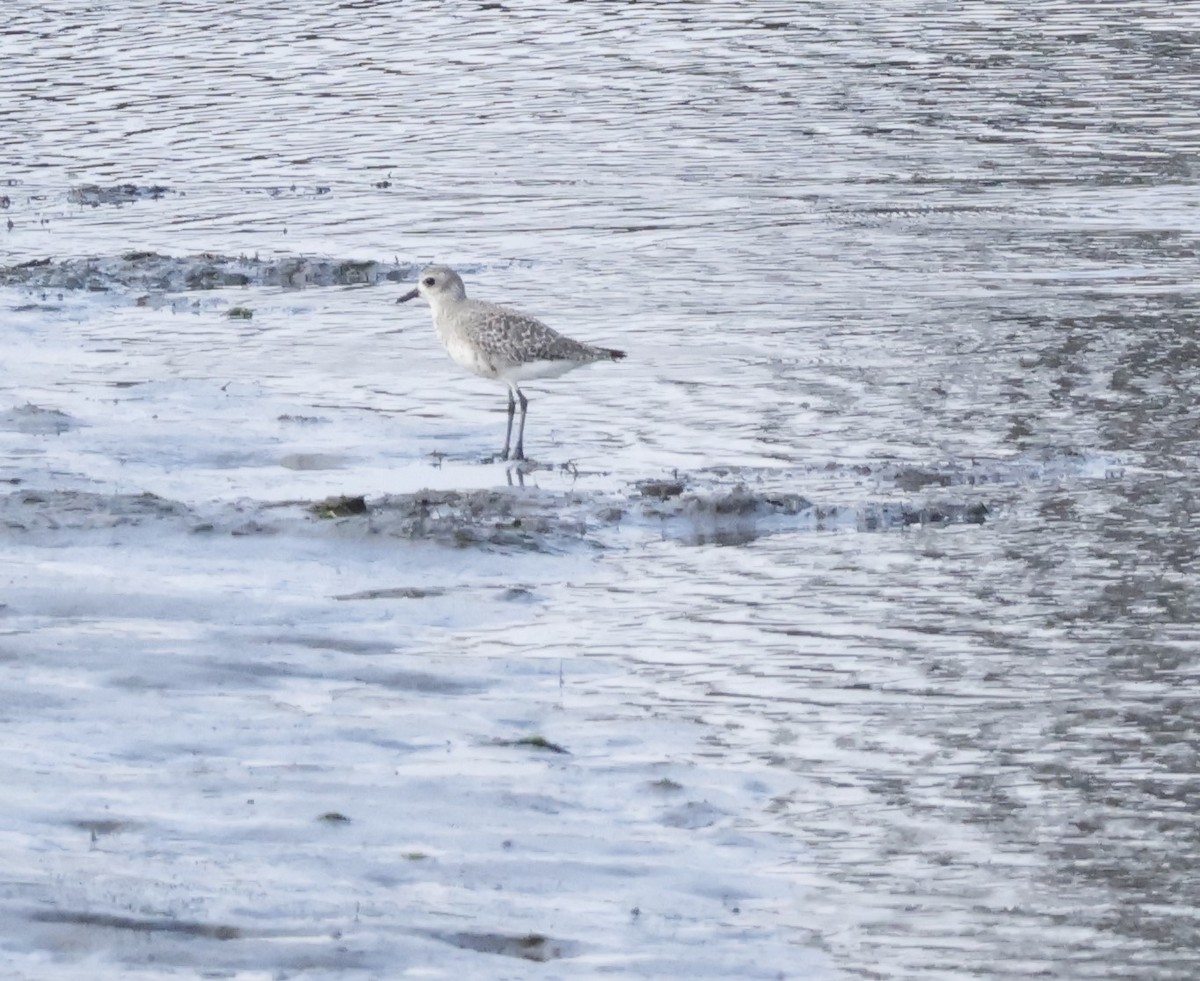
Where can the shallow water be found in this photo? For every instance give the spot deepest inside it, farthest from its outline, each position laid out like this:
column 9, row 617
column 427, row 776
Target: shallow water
column 861, row 596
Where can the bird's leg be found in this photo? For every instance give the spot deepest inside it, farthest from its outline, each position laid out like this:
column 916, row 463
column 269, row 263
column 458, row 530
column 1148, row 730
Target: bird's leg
column 512, row 408
column 520, row 454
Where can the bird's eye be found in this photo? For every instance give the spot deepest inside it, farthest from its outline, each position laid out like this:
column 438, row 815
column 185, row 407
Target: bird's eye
column 427, row 281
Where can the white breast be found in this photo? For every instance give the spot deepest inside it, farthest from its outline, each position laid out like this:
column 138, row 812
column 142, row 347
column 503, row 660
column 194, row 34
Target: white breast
column 467, row 355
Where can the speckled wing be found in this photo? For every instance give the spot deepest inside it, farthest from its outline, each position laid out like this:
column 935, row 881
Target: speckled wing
column 508, row 336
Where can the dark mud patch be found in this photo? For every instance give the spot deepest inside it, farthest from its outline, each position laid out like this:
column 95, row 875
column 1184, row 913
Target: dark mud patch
column 93, row 195
column 150, row 271
column 33, row 420
column 101, row 827
column 535, row 519
column 35, row 510
column 187, row 928
column 980, row 472
column 662, row 490
column 326, row 643
column 37, row 308
column 693, row 816
column 395, row 592
column 318, row 461
column 738, row 501
column 529, row 947
column 421, row 683
column 341, row 506
column 533, row 742
column 915, row 212
column 510, row 518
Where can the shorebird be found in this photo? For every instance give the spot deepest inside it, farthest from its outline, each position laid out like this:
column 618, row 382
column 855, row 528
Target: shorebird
column 500, row 343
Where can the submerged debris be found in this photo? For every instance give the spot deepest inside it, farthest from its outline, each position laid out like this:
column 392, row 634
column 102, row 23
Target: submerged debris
column 534, row 742
column 661, row 489
column 94, row 195
column 341, row 506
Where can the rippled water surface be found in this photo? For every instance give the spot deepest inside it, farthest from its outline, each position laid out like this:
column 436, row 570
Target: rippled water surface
column 847, row 629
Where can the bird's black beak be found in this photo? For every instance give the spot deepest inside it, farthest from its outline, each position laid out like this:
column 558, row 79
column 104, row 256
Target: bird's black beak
column 410, row 295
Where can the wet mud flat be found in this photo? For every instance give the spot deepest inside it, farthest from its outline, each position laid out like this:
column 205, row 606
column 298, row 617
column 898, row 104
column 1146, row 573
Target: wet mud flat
column 346, row 785
column 541, row 519
column 722, row 504
column 150, row 271
column 515, row 517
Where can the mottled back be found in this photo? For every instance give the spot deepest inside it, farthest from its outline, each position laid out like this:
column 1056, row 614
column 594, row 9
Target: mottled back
column 500, row 336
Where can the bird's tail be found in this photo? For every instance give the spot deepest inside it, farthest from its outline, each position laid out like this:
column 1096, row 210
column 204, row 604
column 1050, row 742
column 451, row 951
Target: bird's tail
column 612, row 354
